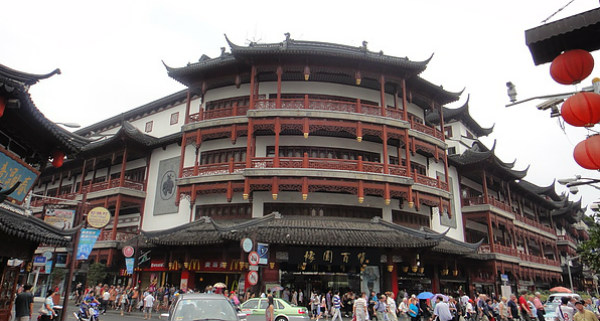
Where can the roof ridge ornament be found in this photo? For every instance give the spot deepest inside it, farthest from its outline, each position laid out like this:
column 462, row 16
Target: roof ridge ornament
column 375, row 219
column 364, row 46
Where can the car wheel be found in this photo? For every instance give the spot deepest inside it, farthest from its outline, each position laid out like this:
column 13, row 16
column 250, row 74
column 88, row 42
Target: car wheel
column 281, row 319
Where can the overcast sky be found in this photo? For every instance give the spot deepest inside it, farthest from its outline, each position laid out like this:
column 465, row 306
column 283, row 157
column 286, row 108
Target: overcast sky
column 110, row 56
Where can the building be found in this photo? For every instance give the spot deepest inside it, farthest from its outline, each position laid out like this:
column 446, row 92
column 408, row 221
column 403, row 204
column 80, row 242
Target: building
column 27, row 142
column 340, row 166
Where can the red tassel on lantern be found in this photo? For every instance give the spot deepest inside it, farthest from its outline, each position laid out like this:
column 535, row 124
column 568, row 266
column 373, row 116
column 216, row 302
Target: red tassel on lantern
column 2, row 106
column 582, row 109
column 572, row 66
column 58, row 158
column 587, row 153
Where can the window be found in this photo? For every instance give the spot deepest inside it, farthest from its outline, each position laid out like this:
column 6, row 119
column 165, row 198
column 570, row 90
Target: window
column 448, row 131
column 174, row 118
column 451, row 150
column 323, row 152
column 223, row 156
column 149, row 126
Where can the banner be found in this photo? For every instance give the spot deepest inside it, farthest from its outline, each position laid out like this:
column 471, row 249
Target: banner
column 86, row 242
column 129, row 264
column 59, row 217
column 263, row 253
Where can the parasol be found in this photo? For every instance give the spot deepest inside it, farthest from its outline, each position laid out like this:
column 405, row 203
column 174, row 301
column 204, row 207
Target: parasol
column 424, row 295
column 560, row 289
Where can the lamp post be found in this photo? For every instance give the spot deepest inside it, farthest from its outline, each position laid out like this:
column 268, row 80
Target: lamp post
column 70, row 125
column 572, row 183
column 569, row 260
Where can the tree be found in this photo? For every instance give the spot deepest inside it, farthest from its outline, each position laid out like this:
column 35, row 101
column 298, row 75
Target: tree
column 589, row 251
column 96, row 273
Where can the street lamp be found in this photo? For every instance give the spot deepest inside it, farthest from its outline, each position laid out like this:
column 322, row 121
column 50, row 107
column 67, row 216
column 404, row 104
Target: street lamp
column 569, row 260
column 572, row 183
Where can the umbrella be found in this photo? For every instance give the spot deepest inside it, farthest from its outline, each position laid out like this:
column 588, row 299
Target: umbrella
column 444, row 298
column 424, row 295
column 219, row 285
column 560, row 289
column 276, row 288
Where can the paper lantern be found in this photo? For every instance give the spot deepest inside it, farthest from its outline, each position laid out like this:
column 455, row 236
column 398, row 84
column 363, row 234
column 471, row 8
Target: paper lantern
column 572, row 66
column 58, row 158
column 587, row 153
column 2, row 106
column 582, row 109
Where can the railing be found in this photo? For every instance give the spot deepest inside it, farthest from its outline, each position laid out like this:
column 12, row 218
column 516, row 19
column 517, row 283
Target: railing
column 567, row 238
column 316, row 104
column 313, row 163
column 506, row 250
column 480, row 200
column 105, row 235
column 534, row 223
column 100, row 186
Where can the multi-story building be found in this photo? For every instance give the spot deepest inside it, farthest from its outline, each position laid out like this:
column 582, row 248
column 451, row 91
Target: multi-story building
column 334, row 156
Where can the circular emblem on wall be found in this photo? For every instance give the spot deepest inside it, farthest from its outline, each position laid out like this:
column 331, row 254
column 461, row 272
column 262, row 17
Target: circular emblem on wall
column 98, row 217
column 167, row 185
column 128, row 251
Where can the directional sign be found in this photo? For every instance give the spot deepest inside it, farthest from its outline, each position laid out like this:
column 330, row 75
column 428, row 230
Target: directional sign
column 253, row 258
column 252, row 277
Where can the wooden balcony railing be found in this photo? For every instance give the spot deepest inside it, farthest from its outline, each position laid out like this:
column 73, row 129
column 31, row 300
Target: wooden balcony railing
column 313, row 163
column 100, row 186
column 506, row 250
column 316, row 104
column 534, row 223
column 567, row 238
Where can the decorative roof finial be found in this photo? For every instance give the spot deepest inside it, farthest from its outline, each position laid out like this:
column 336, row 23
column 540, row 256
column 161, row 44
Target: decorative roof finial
column 364, row 45
column 222, row 51
column 287, row 36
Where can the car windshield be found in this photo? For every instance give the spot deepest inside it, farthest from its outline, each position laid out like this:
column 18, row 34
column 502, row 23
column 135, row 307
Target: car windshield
column 202, row 309
column 550, row 307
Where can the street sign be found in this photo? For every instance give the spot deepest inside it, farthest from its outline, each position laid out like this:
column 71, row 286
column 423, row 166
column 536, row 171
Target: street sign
column 253, row 268
column 98, row 217
column 247, row 245
column 253, row 258
column 128, row 251
column 252, row 277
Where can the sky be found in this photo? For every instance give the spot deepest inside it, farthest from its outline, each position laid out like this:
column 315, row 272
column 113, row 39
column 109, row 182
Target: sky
column 111, row 53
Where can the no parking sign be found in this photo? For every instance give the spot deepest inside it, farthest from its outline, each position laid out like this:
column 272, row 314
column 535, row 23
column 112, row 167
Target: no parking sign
column 252, row 277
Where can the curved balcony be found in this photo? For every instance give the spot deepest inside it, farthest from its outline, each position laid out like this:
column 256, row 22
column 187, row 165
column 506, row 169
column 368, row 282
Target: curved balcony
column 316, row 104
column 506, row 250
column 313, row 163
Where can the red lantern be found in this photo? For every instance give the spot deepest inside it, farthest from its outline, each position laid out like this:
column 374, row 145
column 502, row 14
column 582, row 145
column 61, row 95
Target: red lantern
column 572, row 66
column 58, row 158
column 587, row 153
column 582, row 109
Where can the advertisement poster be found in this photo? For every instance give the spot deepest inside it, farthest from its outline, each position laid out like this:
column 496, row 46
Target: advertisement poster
column 263, row 253
column 59, row 217
column 86, row 242
column 129, row 264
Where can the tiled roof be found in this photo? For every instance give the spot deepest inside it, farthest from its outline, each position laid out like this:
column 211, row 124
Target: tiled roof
column 579, row 31
column 128, row 133
column 30, row 228
column 478, row 153
column 308, row 231
column 26, row 124
column 548, row 191
column 459, row 114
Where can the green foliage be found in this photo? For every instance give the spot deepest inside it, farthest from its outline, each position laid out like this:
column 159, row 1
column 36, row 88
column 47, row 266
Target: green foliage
column 58, row 274
column 96, row 273
column 589, row 250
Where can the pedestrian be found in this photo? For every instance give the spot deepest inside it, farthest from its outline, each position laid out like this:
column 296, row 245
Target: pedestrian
column 583, row 314
column 524, row 306
column 47, row 311
column 360, row 308
column 441, row 310
column 270, row 311
column 539, row 306
column 124, row 302
column 105, row 300
column 337, row 306
column 24, row 304
column 503, row 311
column 391, row 303
column 380, row 309
column 413, row 309
column 148, row 304
column 564, row 312
column 403, row 309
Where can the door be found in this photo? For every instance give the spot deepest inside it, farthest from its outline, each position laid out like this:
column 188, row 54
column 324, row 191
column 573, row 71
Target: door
column 8, row 287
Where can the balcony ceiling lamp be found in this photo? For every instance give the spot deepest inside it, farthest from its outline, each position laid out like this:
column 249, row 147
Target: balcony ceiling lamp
column 306, row 72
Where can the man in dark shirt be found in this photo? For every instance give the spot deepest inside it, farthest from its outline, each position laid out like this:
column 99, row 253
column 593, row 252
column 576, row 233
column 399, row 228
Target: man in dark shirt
column 24, row 304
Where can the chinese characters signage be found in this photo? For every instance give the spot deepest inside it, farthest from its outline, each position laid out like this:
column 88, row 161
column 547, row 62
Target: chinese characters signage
column 333, row 256
column 12, row 171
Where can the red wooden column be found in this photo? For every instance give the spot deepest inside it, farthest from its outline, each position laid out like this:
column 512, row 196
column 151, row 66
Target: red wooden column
column 382, row 94
column 113, row 234
column 252, row 85
column 249, row 141
column 490, row 232
column 187, row 107
column 279, row 73
column 82, row 176
column 484, row 186
column 386, row 168
column 277, row 131
column 404, row 103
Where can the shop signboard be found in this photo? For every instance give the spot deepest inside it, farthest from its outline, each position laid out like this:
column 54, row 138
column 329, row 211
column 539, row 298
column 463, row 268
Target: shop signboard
column 87, row 239
column 59, row 217
column 12, row 171
column 98, row 217
column 129, row 264
column 61, row 260
column 39, row 260
column 333, row 256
